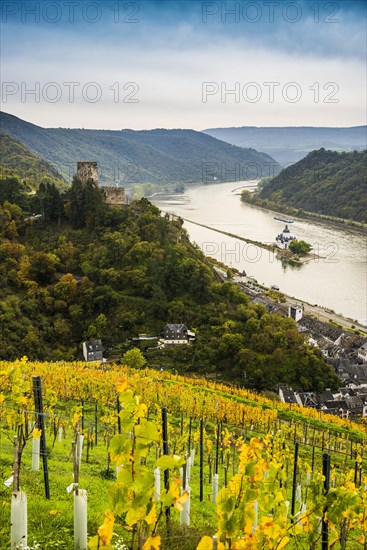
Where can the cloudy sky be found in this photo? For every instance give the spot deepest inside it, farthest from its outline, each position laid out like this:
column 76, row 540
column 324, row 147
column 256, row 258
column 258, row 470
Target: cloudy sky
column 184, row 64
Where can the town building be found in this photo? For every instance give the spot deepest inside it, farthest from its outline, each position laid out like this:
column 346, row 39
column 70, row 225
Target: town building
column 93, row 350
column 296, row 312
column 348, row 402
column 362, row 352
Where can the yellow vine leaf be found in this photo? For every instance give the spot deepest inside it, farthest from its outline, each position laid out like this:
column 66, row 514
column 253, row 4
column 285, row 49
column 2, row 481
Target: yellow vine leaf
column 37, row 433
column 75, row 420
column 121, row 384
column 151, row 518
column 256, row 443
column 250, row 543
column 105, row 532
column 95, row 544
column 283, row 543
column 206, row 543
column 153, row 543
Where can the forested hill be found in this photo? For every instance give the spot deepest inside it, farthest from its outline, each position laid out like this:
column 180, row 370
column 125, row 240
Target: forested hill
column 325, row 182
column 83, row 270
column 29, row 167
column 154, row 156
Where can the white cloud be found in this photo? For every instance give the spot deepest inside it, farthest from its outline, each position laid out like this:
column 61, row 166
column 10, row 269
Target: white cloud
column 170, row 64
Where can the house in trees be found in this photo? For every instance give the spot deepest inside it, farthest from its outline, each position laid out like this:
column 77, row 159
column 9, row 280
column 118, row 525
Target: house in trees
column 176, row 334
column 93, row 350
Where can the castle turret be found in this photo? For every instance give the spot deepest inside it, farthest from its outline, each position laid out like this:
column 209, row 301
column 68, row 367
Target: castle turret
column 87, row 170
column 284, row 238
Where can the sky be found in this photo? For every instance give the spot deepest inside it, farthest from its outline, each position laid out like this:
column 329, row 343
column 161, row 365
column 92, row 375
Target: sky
column 145, row 64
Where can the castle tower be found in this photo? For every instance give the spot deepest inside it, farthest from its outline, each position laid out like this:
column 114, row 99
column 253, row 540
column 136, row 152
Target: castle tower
column 88, row 171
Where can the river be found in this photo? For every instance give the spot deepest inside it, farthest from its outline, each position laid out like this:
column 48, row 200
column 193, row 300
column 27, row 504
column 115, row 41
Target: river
column 337, row 280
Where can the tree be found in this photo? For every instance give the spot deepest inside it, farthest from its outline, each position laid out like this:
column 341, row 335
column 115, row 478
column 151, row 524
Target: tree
column 11, row 189
column 75, row 207
column 43, row 267
column 66, row 288
column 299, row 247
column 86, row 204
column 246, row 196
column 134, row 358
column 48, row 202
column 94, row 204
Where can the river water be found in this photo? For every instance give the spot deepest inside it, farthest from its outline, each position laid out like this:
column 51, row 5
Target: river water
column 336, row 280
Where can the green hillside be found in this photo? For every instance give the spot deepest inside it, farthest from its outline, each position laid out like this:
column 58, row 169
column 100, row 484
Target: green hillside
column 83, row 270
column 29, row 167
column 325, row 182
column 149, row 156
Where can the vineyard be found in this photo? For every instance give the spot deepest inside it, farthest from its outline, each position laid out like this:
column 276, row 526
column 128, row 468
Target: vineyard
column 106, row 457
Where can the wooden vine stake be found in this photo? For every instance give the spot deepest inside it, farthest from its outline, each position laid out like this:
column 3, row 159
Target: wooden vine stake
column 201, row 460
column 215, row 478
column 325, row 524
column 40, row 424
column 18, row 514
column 166, row 472
column 294, row 485
column 80, row 500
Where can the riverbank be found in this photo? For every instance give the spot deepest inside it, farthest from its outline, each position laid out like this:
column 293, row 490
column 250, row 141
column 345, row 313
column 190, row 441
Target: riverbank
column 302, row 215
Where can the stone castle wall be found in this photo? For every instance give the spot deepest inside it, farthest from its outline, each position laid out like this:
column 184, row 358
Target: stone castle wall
column 115, row 196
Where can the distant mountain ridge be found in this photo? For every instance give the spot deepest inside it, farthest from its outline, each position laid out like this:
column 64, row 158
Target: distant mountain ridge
column 127, row 156
column 289, row 144
column 325, row 182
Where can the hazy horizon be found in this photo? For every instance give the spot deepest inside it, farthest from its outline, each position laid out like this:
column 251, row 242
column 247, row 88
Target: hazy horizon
column 179, row 128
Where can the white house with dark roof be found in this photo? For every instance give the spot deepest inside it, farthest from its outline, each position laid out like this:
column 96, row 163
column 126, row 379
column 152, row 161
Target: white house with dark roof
column 176, row 334
column 296, row 312
column 93, row 350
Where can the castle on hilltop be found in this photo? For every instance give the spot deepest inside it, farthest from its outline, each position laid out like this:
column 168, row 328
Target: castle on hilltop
column 88, row 170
